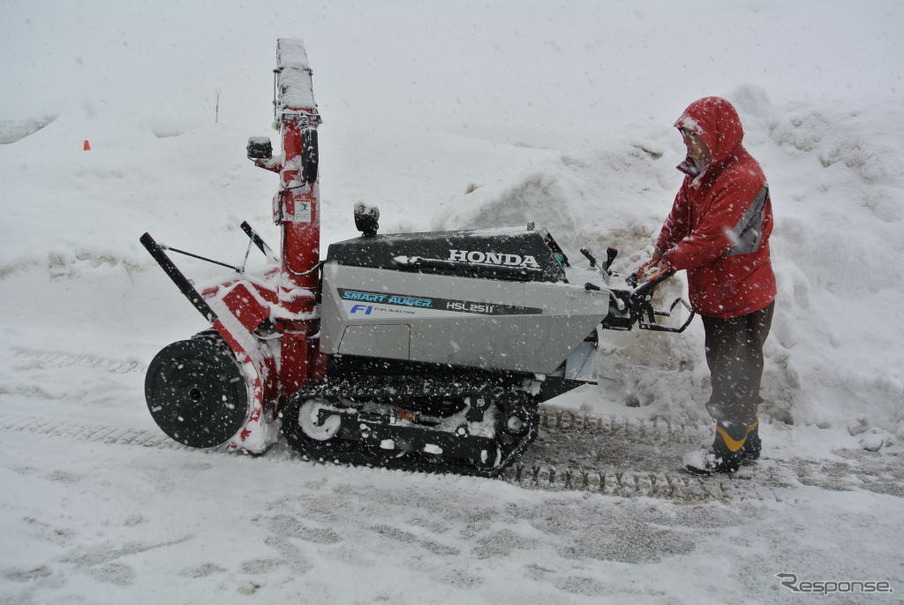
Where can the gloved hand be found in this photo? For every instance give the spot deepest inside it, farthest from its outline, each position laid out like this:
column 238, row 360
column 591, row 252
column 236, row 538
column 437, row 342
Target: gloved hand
column 652, row 270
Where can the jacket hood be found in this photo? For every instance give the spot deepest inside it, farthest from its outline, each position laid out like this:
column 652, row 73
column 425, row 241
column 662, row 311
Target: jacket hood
column 716, row 121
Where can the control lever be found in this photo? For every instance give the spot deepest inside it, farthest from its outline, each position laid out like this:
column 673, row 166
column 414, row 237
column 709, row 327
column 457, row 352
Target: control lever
column 611, row 253
column 604, row 271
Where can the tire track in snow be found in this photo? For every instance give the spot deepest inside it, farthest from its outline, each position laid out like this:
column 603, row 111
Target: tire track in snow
column 572, row 452
column 656, row 483
column 58, row 359
column 577, row 452
column 617, row 457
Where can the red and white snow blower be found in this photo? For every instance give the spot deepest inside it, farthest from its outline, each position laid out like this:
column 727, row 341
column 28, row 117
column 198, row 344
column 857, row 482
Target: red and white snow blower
column 415, row 350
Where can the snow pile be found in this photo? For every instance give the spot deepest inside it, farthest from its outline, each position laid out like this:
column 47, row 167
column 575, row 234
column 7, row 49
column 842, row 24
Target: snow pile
column 16, row 130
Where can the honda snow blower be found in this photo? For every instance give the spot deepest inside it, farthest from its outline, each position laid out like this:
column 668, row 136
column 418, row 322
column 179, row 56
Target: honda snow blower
column 423, row 351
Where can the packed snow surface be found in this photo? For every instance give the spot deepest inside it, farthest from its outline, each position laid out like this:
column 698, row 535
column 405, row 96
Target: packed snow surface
column 447, row 116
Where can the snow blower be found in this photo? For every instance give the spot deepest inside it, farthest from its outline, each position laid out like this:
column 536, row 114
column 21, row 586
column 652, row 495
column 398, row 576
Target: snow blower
column 424, row 351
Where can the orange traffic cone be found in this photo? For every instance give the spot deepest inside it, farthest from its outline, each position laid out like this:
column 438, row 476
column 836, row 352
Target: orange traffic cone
column 86, row 146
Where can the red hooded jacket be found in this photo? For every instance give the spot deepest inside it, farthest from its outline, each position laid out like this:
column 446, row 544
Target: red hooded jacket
column 719, row 225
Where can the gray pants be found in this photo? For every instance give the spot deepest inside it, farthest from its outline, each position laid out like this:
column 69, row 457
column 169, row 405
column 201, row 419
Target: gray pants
column 734, row 354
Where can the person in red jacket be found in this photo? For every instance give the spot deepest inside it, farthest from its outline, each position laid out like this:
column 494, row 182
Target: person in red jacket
column 718, row 231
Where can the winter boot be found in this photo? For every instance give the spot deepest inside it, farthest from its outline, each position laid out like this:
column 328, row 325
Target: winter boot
column 752, row 445
column 727, row 451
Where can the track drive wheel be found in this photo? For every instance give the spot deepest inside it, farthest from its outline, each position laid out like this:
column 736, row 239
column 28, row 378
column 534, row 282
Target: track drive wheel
column 196, row 392
column 312, row 427
column 517, row 422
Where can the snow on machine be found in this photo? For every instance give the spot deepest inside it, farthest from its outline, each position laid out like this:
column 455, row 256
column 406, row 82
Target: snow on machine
column 414, row 350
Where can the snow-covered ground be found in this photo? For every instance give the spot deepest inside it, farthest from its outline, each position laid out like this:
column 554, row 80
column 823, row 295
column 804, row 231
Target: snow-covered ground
column 446, row 115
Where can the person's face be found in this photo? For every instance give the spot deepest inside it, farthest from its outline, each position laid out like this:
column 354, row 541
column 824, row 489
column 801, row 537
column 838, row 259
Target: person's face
column 696, row 148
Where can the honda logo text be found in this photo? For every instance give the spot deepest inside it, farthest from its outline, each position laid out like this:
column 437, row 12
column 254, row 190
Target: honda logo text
column 493, row 258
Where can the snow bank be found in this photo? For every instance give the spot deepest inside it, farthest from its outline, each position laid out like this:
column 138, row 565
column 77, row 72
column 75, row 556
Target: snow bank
column 16, row 130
